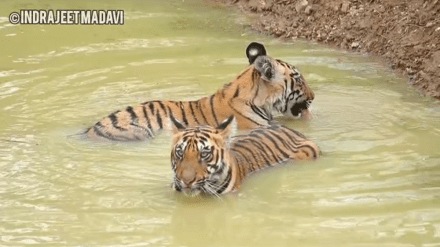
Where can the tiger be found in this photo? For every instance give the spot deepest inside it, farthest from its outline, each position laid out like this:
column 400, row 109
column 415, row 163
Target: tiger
column 266, row 84
column 206, row 160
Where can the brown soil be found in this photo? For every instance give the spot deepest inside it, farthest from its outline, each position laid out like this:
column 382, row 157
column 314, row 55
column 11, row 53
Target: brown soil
column 406, row 33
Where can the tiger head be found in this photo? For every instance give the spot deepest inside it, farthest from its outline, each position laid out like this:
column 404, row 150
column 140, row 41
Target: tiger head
column 199, row 158
column 297, row 96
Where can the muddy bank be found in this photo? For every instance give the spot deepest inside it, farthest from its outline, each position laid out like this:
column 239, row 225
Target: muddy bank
column 405, row 33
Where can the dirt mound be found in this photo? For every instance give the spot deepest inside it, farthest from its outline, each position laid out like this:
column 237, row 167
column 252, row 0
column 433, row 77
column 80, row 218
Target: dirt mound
column 406, row 33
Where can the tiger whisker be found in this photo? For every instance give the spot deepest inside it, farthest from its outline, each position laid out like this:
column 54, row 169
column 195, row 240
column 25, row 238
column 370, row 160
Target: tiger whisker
column 210, row 189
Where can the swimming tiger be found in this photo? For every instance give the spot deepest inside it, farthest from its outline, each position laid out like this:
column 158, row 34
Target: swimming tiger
column 205, row 160
column 266, row 84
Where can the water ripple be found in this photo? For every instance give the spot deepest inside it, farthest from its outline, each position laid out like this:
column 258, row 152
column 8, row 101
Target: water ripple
column 121, row 45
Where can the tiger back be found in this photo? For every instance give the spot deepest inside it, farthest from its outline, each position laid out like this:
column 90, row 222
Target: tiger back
column 266, row 84
column 205, row 160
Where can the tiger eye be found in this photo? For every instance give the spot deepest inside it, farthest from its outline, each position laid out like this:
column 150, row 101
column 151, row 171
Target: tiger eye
column 205, row 154
column 179, row 152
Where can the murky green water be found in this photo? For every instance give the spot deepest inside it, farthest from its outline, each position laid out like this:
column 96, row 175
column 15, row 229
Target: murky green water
column 377, row 184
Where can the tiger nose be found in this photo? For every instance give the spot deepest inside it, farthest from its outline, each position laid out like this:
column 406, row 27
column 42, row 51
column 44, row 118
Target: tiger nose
column 188, row 176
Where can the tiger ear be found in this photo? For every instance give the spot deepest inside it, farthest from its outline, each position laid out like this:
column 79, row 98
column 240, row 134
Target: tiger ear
column 226, row 127
column 255, row 50
column 179, row 126
column 265, row 67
